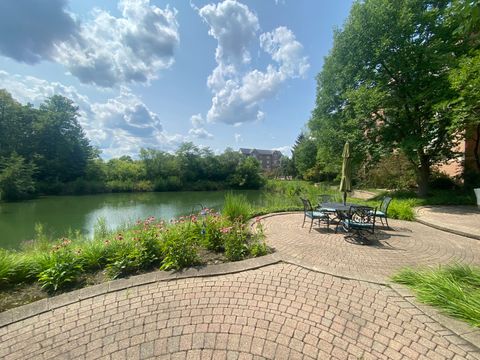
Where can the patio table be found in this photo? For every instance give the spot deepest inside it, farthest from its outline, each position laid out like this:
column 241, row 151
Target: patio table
column 333, row 207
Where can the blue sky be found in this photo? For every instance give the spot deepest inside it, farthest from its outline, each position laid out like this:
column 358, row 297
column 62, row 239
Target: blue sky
column 157, row 73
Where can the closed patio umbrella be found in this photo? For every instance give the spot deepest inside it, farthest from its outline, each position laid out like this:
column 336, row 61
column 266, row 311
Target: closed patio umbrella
column 346, row 181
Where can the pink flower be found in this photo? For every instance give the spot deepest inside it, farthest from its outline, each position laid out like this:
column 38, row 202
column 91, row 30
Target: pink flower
column 226, row 230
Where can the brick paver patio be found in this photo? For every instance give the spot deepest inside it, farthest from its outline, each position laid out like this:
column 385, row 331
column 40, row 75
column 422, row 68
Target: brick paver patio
column 406, row 244
column 284, row 310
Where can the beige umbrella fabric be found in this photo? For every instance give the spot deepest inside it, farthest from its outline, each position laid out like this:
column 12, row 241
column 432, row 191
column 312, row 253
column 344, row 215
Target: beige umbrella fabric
column 346, row 181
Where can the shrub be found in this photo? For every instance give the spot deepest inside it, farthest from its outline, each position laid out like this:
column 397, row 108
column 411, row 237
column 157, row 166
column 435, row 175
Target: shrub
column 402, row 209
column 63, row 270
column 442, row 181
column 235, row 241
column 209, row 225
column 93, row 255
column 390, row 172
column 123, row 258
column 236, row 207
column 179, row 247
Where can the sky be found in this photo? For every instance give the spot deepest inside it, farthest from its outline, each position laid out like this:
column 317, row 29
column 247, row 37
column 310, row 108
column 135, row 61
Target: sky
column 154, row 74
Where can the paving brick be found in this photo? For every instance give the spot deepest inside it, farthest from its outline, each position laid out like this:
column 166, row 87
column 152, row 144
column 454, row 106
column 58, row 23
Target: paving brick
column 280, row 311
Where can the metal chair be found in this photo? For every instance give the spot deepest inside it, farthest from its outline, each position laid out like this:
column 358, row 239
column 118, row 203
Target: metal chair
column 358, row 221
column 382, row 212
column 313, row 214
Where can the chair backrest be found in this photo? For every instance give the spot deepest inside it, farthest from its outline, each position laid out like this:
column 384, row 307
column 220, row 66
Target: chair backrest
column 362, row 215
column 307, row 206
column 324, row 198
column 385, row 203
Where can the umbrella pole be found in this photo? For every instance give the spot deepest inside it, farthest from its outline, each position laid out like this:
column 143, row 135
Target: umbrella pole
column 344, row 198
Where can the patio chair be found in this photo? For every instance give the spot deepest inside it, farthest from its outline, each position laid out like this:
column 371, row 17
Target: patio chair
column 358, row 221
column 313, row 214
column 382, row 212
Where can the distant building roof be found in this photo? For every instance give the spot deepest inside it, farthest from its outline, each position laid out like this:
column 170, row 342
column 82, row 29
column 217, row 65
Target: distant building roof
column 246, row 151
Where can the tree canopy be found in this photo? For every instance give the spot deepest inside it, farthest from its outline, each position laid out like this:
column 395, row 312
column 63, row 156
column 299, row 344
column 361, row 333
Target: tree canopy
column 384, row 85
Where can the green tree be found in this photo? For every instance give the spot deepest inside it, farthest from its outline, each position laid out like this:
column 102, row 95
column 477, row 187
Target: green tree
column 465, row 80
column 247, row 174
column 287, row 167
column 61, row 147
column 16, row 178
column 16, row 132
column 382, row 82
column 305, row 154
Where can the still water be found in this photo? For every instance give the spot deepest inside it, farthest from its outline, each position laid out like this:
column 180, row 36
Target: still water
column 58, row 214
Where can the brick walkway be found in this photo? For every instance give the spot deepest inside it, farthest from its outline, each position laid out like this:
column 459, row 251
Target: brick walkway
column 407, row 244
column 277, row 311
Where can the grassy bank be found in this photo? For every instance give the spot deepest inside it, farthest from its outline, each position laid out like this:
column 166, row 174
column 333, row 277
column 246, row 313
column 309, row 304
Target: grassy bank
column 46, row 266
column 454, row 289
column 285, row 196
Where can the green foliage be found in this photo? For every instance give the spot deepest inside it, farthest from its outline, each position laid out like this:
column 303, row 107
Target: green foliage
column 236, row 207
column 63, row 269
column 402, row 209
column 392, row 171
column 46, row 151
column 384, row 85
column 235, row 241
column 143, row 246
column 16, row 178
column 247, row 175
column 304, row 155
column 100, row 229
column 454, row 289
column 93, row 254
column 180, row 247
column 210, row 229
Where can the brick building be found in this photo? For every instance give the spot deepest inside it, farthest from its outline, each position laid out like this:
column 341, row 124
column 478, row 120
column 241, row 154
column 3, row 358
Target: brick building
column 269, row 159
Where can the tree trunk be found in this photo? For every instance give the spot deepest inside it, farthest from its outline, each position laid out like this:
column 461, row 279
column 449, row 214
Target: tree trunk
column 423, row 175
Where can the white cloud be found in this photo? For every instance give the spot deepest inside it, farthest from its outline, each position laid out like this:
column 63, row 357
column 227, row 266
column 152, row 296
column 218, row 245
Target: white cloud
column 238, row 138
column 119, row 126
column 197, row 120
column 285, row 150
column 234, row 26
column 131, row 48
column 198, row 131
column 105, row 51
column 238, row 94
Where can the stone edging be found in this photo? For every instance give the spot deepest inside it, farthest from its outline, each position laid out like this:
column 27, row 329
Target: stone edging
column 462, row 330
column 38, row 307
column 443, row 228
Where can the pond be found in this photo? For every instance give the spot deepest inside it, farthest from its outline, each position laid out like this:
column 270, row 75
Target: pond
column 58, row 214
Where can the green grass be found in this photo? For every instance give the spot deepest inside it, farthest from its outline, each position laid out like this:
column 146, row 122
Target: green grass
column 283, row 195
column 236, row 207
column 454, row 289
column 60, row 264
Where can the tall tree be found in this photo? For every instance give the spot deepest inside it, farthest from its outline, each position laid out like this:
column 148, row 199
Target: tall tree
column 62, row 147
column 381, row 84
column 465, row 80
column 16, row 178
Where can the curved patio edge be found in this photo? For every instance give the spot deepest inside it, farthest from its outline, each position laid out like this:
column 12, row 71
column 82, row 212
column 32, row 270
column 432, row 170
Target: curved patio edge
column 457, row 327
column 441, row 227
column 35, row 308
